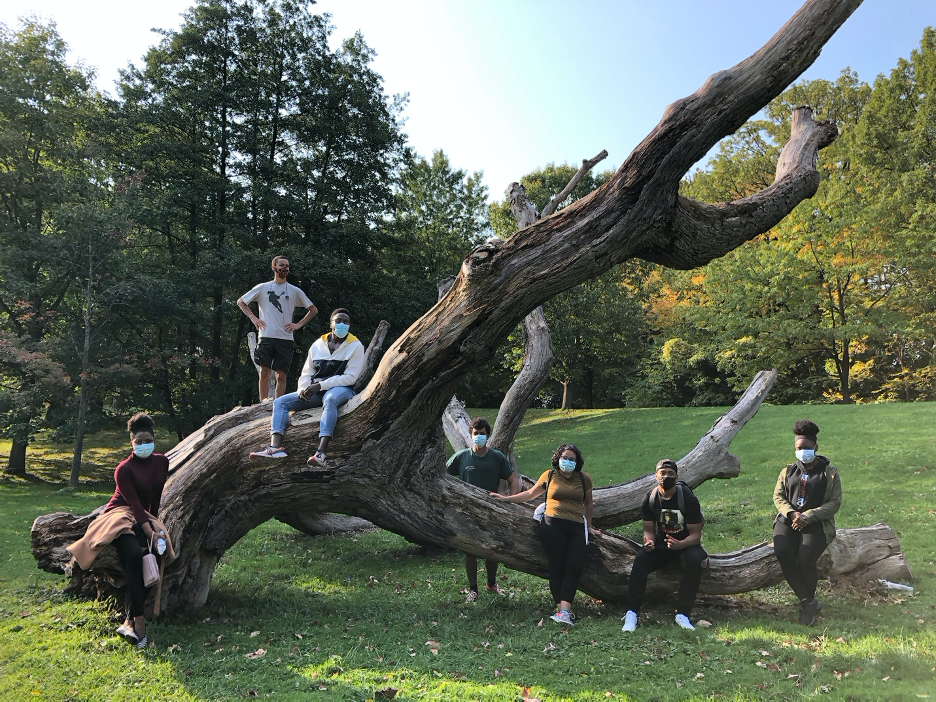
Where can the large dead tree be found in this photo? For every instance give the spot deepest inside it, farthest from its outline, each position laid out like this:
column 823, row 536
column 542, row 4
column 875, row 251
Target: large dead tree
column 385, row 459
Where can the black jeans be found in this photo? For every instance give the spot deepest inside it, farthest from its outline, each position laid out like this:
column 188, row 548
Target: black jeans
column 130, row 548
column 645, row 562
column 564, row 541
column 798, row 552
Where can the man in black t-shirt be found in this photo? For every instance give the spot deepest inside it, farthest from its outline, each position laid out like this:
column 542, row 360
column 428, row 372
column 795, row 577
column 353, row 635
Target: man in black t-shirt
column 672, row 530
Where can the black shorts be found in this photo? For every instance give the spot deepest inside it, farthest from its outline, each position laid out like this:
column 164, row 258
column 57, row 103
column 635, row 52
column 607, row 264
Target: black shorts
column 274, row 353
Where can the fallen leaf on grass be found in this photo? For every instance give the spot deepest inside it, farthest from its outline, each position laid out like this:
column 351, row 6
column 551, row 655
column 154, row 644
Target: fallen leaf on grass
column 497, row 673
column 815, row 665
column 549, row 647
column 540, row 623
column 885, row 679
column 526, row 695
column 254, row 633
column 388, row 693
column 174, row 647
column 703, row 656
column 841, row 639
column 252, row 693
column 773, row 667
column 259, row 653
column 704, row 623
column 765, row 653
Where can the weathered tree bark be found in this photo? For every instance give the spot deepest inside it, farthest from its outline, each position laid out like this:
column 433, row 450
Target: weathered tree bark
column 372, row 355
column 385, row 459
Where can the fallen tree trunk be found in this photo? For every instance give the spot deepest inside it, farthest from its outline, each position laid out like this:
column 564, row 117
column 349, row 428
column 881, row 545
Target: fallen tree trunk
column 386, row 456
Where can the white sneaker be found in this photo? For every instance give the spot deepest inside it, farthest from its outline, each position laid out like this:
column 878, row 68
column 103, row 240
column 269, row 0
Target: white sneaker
column 563, row 616
column 270, row 452
column 684, row 622
column 630, row 621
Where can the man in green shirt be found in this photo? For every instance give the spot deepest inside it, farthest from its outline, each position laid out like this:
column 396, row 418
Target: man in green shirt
column 483, row 467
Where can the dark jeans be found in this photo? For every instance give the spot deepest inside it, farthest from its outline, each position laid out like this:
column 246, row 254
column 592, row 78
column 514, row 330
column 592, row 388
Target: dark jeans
column 798, row 552
column 564, row 541
column 645, row 562
column 130, row 548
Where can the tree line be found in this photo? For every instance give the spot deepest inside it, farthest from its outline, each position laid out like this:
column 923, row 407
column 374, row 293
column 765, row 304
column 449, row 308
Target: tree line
column 131, row 224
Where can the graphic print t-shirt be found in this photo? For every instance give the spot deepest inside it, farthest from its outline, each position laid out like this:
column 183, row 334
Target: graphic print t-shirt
column 672, row 522
column 277, row 302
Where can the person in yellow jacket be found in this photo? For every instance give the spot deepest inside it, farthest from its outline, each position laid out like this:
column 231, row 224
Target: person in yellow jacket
column 333, row 365
column 807, row 495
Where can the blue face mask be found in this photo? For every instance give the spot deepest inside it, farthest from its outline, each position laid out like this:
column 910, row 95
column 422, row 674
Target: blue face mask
column 341, row 329
column 479, row 440
column 566, row 465
column 805, row 455
column 144, row 450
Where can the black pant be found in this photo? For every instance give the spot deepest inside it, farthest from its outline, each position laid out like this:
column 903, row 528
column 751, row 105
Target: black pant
column 798, row 552
column 130, row 548
column 645, row 562
column 564, row 541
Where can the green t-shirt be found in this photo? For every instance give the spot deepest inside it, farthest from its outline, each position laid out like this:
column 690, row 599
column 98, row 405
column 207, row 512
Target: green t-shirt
column 485, row 471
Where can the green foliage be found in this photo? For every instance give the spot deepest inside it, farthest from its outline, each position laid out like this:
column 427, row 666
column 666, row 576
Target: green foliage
column 294, row 617
column 440, row 215
column 597, row 328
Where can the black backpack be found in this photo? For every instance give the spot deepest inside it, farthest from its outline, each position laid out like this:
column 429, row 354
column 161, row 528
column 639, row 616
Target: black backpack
column 656, row 501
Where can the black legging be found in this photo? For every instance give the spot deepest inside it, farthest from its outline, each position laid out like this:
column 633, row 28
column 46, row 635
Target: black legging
column 564, row 541
column 130, row 548
column 798, row 552
column 646, row 562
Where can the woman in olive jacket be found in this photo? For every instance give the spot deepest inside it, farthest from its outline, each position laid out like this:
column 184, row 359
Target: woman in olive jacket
column 807, row 495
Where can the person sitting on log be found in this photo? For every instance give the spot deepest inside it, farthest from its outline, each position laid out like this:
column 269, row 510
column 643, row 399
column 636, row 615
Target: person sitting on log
column 564, row 524
column 332, row 367
column 807, row 495
column 483, row 467
column 129, row 521
column 672, row 519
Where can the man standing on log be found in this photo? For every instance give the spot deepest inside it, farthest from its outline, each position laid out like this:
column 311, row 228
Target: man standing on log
column 332, row 367
column 483, row 467
column 672, row 531
column 276, row 301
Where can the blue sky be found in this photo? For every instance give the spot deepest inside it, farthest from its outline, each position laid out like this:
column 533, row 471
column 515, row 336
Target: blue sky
column 506, row 86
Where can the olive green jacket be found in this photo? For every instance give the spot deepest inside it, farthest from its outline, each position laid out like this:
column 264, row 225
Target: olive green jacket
column 825, row 512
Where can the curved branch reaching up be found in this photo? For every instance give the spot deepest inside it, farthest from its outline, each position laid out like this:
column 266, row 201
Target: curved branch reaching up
column 710, row 458
column 697, row 225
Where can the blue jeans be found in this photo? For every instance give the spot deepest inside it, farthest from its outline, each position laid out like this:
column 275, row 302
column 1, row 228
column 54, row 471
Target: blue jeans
column 330, row 400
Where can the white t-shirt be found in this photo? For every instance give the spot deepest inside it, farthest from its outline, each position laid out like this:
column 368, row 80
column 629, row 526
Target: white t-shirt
column 277, row 302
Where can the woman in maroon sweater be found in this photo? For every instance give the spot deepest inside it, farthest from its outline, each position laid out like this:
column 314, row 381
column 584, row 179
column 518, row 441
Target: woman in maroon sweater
column 140, row 480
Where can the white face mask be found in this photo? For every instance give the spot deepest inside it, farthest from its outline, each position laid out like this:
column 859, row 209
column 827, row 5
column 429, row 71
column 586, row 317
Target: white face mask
column 805, row 455
column 566, row 465
column 144, row 450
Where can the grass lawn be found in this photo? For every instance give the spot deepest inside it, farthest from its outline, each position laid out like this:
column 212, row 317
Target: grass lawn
column 352, row 618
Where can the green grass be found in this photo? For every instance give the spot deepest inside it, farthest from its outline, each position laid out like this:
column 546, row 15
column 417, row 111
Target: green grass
column 342, row 618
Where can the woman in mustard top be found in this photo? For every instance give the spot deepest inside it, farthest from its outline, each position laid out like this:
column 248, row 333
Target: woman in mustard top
column 564, row 524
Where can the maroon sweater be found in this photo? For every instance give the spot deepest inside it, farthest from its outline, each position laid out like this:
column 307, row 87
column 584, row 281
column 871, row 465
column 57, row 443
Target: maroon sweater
column 140, row 484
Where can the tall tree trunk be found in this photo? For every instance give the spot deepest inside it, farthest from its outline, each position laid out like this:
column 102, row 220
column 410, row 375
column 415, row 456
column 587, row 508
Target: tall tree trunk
column 566, row 394
column 589, row 388
column 16, row 463
column 385, row 460
column 83, row 386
